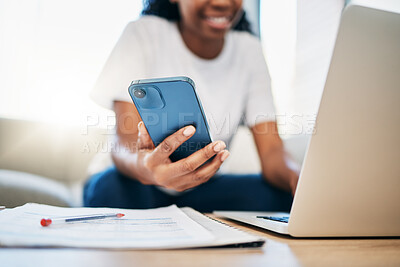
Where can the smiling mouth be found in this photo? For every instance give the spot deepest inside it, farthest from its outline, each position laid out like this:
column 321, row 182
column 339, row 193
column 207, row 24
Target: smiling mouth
column 220, row 23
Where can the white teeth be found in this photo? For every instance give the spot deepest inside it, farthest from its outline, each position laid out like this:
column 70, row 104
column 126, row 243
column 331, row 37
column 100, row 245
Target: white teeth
column 218, row 19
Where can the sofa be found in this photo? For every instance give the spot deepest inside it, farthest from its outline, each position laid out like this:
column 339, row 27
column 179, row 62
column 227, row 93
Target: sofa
column 49, row 163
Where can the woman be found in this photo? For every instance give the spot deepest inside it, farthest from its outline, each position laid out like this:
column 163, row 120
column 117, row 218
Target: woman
column 192, row 38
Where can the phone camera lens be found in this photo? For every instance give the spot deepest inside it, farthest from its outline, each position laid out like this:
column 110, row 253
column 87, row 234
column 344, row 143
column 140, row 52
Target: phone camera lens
column 139, row 93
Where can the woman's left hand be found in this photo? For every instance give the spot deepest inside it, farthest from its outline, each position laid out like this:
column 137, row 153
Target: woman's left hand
column 277, row 167
column 280, row 170
column 293, row 176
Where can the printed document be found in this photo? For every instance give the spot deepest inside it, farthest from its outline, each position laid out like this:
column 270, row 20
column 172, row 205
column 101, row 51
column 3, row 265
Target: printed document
column 159, row 228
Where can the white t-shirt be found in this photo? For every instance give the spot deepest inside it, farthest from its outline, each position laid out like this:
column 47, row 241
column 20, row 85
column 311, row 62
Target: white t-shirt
column 233, row 87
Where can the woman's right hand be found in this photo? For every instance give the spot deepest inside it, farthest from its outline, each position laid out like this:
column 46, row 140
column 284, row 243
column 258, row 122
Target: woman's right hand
column 155, row 167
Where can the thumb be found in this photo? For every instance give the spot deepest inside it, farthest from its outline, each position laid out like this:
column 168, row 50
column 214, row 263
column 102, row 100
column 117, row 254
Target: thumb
column 144, row 140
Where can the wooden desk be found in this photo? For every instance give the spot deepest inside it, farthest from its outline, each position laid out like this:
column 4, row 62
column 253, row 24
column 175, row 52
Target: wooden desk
column 278, row 251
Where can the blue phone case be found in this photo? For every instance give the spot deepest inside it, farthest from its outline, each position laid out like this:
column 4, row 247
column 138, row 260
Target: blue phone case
column 168, row 104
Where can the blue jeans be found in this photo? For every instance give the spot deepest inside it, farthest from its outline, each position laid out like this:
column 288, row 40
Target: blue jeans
column 223, row 192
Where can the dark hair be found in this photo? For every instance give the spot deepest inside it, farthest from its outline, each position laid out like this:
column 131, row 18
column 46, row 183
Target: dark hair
column 170, row 11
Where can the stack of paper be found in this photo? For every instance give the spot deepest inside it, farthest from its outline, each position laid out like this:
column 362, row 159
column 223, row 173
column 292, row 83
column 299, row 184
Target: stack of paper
column 161, row 228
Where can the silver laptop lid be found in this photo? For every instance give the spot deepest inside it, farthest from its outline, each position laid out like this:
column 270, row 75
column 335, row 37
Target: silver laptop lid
column 350, row 181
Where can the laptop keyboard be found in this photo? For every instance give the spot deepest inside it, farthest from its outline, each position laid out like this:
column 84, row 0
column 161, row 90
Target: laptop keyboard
column 284, row 219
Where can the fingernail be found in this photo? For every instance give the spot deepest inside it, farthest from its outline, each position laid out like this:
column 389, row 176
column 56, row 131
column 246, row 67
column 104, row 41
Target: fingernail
column 225, row 155
column 219, row 146
column 189, row 131
column 139, row 126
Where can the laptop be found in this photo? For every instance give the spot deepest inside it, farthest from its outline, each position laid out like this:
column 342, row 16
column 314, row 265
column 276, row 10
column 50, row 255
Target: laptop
column 349, row 183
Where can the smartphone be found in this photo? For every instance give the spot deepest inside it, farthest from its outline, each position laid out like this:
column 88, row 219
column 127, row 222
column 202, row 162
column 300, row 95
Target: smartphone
column 168, row 104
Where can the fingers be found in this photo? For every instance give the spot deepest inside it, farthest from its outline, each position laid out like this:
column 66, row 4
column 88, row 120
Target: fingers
column 202, row 174
column 144, row 140
column 171, row 143
column 191, row 163
column 188, row 172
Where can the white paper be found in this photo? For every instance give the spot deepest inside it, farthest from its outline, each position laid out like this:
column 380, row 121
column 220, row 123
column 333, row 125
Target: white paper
column 224, row 234
column 157, row 228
